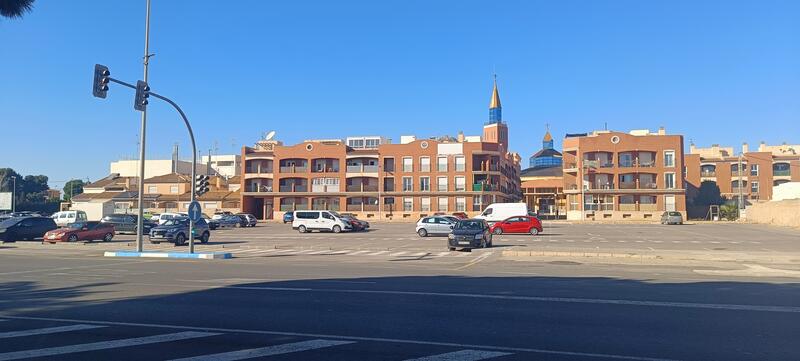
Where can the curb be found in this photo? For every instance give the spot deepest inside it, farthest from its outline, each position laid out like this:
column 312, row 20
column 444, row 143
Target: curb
column 181, row 255
column 578, row 254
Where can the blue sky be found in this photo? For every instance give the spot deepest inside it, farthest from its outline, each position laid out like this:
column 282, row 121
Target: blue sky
column 715, row 71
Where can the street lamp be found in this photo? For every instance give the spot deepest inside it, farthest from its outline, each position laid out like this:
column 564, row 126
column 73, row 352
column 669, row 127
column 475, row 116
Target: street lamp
column 14, row 194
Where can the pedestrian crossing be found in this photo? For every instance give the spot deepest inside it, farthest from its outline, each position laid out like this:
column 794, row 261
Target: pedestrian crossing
column 134, row 342
column 244, row 252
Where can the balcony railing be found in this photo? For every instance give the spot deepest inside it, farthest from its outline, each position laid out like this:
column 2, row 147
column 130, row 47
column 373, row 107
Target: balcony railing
column 490, row 168
column 362, row 169
column 708, row 174
column 293, row 188
column 291, row 207
column 294, row 169
column 257, row 170
column 324, row 188
column 325, row 169
column 361, row 188
column 628, row 207
column 483, row 187
column 362, row 207
column 258, row 188
column 782, row 173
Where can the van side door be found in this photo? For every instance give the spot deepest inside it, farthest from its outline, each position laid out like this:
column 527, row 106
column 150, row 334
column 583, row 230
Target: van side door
column 326, row 221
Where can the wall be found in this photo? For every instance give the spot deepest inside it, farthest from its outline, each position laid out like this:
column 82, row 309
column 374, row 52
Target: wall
column 153, row 167
column 777, row 213
column 784, row 191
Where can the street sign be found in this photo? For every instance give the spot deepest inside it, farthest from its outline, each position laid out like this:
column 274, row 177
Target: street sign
column 195, row 213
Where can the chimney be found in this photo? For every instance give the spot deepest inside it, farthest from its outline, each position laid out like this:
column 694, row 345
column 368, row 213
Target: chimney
column 745, row 148
column 692, row 148
column 762, row 147
column 219, row 182
column 662, row 131
column 175, row 158
column 127, row 183
column 460, row 137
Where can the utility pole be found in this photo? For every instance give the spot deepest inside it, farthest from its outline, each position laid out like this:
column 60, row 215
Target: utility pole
column 740, row 203
column 146, row 62
column 14, row 194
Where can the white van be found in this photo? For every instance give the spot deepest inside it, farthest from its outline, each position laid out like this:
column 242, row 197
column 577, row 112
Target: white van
column 64, row 218
column 306, row 221
column 164, row 217
column 498, row 212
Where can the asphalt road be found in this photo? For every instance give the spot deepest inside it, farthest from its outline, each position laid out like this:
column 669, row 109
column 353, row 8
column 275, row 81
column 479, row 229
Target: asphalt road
column 67, row 303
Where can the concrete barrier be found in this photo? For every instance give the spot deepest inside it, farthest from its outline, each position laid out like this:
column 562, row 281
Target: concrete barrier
column 779, row 213
column 180, row 255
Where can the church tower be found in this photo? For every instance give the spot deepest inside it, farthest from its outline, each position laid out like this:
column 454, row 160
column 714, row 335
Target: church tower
column 495, row 130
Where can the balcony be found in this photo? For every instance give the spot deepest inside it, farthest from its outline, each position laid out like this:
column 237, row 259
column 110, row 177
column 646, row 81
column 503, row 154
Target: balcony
column 362, row 169
column 490, row 168
column 294, row 169
column 255, row 188
column 782, row 173
column 362, row 207
column 361, row 188
column 293, row 188
column 484, row 187
column 708, row 174
column 257, row 170
column 325, row 188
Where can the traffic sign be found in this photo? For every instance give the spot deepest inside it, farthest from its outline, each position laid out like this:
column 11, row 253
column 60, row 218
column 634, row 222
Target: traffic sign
column 195, row 213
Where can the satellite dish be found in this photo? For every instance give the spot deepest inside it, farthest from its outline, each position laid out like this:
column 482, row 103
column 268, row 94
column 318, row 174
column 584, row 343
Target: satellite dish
column 270, row 135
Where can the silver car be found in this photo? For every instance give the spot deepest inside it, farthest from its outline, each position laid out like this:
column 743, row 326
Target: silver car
column 435, row 225
column 671, row 218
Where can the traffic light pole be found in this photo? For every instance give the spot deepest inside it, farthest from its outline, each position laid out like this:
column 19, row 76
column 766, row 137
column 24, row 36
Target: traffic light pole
column 140, row 218
column 194, row 159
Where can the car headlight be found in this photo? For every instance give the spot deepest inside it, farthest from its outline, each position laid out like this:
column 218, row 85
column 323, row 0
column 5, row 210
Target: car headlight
column 479, row 236
column 2, row 230
column 450, row 236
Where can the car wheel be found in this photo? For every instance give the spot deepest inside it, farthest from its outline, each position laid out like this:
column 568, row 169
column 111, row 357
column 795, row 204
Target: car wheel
column 451, row 249
column 180, row 239
column 154, row 242
column 108, row 237
column 498, row 230
column 302, row 229
column 204, row 238
column 422, row 232
column 72, row 238
column 337, row 229
column 534, row 231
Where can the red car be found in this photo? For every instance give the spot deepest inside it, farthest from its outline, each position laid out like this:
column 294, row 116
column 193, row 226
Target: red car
column 81, row 231
column 460, row 215
column 518, row 224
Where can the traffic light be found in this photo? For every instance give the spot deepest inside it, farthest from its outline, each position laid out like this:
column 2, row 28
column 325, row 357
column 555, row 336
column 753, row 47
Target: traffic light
column 142, row 93
column 200, row 185
column 101, row 79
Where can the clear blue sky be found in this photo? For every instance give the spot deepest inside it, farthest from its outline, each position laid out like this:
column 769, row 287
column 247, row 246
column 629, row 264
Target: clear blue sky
column 715, row 71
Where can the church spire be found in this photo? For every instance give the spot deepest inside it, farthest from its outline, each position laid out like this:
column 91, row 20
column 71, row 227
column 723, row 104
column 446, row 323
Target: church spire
column 495, row 109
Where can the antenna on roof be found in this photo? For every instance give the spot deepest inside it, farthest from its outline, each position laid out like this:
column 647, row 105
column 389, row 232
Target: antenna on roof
column 605, row 125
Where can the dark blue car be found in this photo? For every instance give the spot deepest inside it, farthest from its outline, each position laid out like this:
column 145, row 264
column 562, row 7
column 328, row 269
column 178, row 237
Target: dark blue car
column 176, row 231
column 288, row 217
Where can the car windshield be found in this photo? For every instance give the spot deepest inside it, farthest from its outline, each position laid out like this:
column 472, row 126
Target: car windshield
column 76, row 225
column 469, row 225
column 9, row 222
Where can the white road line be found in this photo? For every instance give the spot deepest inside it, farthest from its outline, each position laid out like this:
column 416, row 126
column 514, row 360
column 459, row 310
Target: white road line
column 419, row 254
column 357, row 252
column 357, row 338
column 267, row 351
column 463, row 355
column 305, row 251
column 320, row 252
column 48, row 330
column 377, row 253
column 442, row 254
column 397, row 254
column 103, row 345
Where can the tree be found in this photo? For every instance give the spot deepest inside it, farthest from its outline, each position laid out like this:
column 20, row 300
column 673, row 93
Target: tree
column 708, row 194
column 73, row 188
column 15, row 8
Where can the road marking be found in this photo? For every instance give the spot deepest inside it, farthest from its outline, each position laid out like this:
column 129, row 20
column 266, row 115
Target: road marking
column 351, row 338
column 442, row 254
column 103, row 345
column 267, row 351
column 357, row 252
column 320, row 252
column 463, row 355
column 419, row 254
column 70, row 268
column 378, row 253
column 46, row 331
column 397, row 254
column 476, row 260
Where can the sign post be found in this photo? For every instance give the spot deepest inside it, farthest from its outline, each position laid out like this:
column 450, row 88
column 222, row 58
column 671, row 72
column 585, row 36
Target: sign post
column 195, row 215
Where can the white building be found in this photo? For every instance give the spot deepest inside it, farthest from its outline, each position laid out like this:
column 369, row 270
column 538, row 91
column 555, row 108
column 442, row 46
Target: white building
column 226, row 165
column 154, row 167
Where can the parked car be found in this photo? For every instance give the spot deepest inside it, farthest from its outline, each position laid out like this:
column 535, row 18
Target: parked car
column 288, row 217
column 305, row 221
column 176, row 231
column 248, row 220
column 25, row 228
column 228, row 222
column 431, row 226
column 81, row 231
column 357, row 224
column 221, row 214
column 460, row 215
column 497, row 212
column 212, row 223
column 154, row 217
column 126, row 223
column 468, row 234
column 64, row 218
column 164, row 217
column 671, row 218
column 520, row 224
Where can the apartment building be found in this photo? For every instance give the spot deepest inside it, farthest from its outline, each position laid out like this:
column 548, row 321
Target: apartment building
column 613, row 175
column 753, row 174
column 543, row 182
column 377, row 179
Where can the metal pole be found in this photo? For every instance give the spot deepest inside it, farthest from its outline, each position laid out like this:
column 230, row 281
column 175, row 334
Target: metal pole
column 146, row 61
column 14, row 194
column 741, row 190
column 194, row 161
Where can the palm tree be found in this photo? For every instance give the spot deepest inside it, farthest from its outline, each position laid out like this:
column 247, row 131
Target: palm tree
column 15, row 8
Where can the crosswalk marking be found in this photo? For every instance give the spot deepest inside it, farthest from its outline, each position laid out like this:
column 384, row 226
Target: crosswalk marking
column 48, row 330
column 463, row 355
column 377, row 253
column 103, row 345
column 397, row 254
column 357, row 252
column 267, row 351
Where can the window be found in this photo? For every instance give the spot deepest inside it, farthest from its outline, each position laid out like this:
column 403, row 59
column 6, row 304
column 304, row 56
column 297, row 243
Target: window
column 173, row 189
column 356, row 143
column 441, row 184
column 460, row 163
column 388, row 164
column 327, row 215
column 408, row 204
column 669, row 158
column 372, row 143
column 425, row 164
column 441, row 164
column 754, row 170
column 152, row 189
column 442, row 204
column 408, row 164
column 408, row 184
column 461, row 204
column 669, row 180
column 425, row 184
column 461, row 184
column 425, row 204
column 754, row 187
